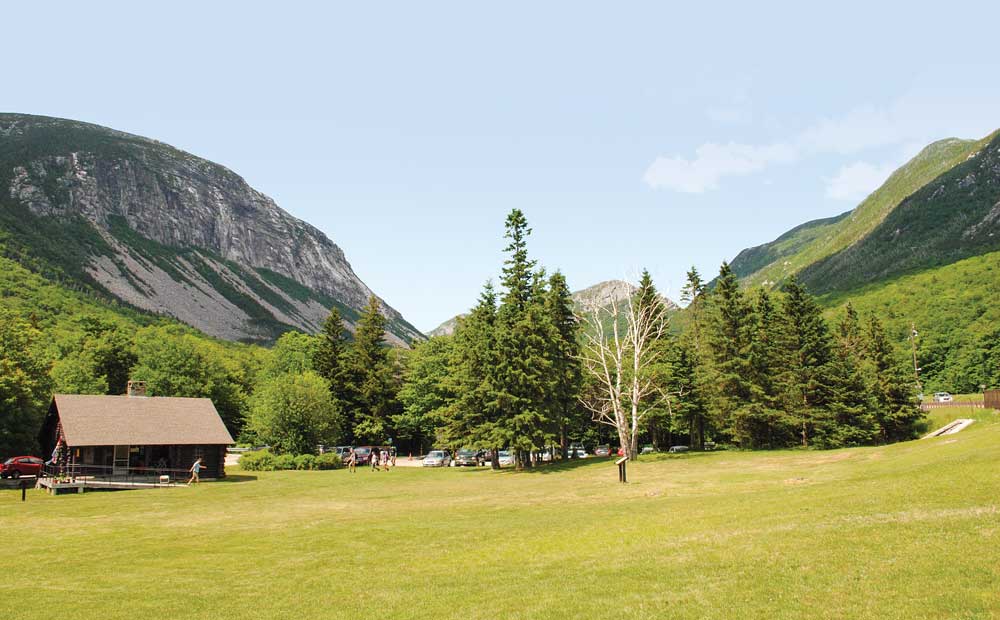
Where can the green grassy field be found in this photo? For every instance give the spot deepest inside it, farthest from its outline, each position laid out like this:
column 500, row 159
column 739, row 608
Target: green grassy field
column 905, row 531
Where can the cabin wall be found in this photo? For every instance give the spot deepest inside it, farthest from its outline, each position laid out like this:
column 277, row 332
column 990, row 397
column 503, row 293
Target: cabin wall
column 166, row 457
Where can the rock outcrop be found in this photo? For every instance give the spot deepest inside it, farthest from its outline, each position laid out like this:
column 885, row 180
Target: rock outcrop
column 181, row 235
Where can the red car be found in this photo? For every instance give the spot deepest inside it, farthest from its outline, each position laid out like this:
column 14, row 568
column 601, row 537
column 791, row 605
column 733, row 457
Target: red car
column 18, row 466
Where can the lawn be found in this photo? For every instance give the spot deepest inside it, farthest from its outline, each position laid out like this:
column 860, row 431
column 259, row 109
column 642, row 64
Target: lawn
column 906, row 531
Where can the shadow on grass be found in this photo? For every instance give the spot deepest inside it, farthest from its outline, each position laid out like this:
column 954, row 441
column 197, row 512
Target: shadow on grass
column 234, row 478
column 560, row 466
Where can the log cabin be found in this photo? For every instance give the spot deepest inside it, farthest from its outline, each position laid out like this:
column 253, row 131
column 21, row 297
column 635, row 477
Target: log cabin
column 135, row 434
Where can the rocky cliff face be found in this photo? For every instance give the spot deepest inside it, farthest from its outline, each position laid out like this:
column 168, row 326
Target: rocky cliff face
column 603, row 293
column 180, row 235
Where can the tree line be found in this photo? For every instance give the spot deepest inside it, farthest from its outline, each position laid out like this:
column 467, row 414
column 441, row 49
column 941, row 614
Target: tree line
column 748, row 368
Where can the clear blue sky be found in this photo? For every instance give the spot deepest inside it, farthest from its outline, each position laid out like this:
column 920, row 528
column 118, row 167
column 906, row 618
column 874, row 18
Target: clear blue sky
column 633, row 135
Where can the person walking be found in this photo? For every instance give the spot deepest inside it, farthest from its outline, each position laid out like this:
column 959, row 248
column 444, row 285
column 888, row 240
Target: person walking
column 195, row 471
column 374, row 459
column 384, row 457
column 352, row 461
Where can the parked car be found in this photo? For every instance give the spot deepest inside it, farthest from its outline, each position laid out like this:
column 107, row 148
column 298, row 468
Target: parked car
column 647, row 450
column 577, row 451
column 467, row 457
column 363, row 454
column 942, row 397
column 505, row 458
column 676, row 449
column 18, row 466
column 341, row 451
column 437, row 458
column 604, row 450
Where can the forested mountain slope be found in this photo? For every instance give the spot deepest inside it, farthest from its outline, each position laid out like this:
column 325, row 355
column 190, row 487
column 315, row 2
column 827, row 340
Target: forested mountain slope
column 955, row 216
column 166, row 232
column 771, row 263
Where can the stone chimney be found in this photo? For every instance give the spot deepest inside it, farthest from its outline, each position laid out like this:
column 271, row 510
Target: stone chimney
column 136, row 388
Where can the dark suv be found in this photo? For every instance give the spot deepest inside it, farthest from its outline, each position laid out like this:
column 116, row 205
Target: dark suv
column 18, row 466
column 467, row 457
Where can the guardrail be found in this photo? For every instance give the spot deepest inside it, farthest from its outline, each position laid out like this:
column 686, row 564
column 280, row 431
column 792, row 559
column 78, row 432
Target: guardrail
column 975, row 404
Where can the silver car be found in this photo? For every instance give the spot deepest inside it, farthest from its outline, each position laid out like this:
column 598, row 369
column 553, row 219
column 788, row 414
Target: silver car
column 437, row 458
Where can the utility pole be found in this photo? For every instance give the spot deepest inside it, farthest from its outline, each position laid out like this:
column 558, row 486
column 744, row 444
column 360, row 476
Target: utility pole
column 916, row 368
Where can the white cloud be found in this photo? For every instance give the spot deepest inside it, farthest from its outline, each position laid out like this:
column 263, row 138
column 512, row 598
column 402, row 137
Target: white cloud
column 909, row 123
column 711, row 163
column 855, row 181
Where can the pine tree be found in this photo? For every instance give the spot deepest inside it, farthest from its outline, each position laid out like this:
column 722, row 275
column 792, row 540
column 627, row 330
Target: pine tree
column 809, row 390
column 728, row 337
column 473, row 417
column 372, row 377
column 850, row 404
column 649, row 303
column 764, row 422
column 692, row 294
column 565, row 356
column 518, row 270
column 330, row 361
column 523, row 330
column 896, row 410
column 687, row 408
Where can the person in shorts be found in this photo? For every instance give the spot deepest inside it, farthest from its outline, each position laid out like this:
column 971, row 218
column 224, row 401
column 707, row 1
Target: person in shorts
column 195, row 471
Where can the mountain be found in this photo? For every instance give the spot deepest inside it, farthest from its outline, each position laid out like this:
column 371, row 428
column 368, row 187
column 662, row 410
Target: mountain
column 598, row 295
column 772, row 263
column 447, row 328
column 953, row 217
column 167, row 232
column 921, row 251
column 603, row 293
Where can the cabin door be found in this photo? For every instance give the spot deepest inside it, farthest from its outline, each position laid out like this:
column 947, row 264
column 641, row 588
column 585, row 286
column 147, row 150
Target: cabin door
column 121, row 461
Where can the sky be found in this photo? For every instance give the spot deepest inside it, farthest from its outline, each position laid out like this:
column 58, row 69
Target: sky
column 633, row 135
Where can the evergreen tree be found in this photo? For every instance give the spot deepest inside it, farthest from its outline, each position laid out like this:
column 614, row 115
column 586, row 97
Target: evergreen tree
column 330, row 361
column 764, row 422
column 850, row 404
column 565, row 355
column 372, row 376
column 648, row 302
column 688, row 408
column 473, row 417
column 693, row 295
column 896, row 411
column 728, row 337
column 809, row 389
column 518, row 270
column 523, row 331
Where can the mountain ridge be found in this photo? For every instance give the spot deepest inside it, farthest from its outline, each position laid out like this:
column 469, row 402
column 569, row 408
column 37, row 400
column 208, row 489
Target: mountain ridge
column 771, row 263
column 171, row 233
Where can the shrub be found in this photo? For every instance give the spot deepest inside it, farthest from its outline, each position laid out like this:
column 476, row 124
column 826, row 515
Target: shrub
column 305, row 461
column 328, row 460
column 284, row 461
column 257, row 461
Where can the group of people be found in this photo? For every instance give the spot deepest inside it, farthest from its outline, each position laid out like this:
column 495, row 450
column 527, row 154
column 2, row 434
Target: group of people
column 378, row 459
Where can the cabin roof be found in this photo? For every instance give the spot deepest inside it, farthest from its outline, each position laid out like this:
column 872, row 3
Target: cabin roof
column 139, row 421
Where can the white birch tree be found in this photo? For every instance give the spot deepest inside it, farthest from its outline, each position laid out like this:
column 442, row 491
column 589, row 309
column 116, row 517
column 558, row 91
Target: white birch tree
column 619, row 353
